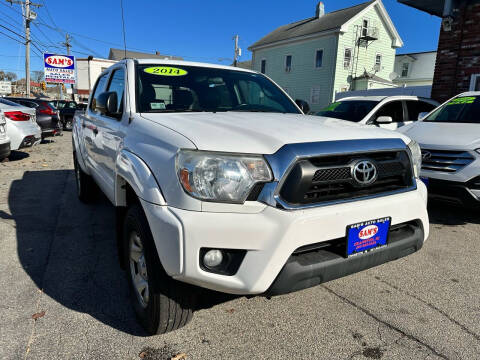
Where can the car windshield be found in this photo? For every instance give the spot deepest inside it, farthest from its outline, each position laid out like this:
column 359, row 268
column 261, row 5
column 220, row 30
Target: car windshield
column 8, row 102
column 464, row 109
column 179, row 88
column 351, row 110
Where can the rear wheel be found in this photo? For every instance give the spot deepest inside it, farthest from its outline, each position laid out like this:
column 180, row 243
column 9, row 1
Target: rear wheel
column 85, row 185
column 161, row 303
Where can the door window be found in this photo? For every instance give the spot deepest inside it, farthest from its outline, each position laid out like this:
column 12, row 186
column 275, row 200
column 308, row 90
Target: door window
column 393, row 109
column 99, row 88
column 416, row 107
column 117, row 85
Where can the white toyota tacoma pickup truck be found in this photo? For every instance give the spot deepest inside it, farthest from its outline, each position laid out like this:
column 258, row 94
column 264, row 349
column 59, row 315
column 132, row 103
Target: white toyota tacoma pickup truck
column 219, row 181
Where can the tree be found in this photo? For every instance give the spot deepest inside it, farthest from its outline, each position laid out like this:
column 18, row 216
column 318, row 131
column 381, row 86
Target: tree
column 10, row 76
column 2, row 75
column 37, row 76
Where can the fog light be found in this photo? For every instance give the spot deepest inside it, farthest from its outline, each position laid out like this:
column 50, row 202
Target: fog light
column 213, row 258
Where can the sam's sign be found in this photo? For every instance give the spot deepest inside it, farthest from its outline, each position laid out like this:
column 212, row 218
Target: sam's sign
column 59, row 68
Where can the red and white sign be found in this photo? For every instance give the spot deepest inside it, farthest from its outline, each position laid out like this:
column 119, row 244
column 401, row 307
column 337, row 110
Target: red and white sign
column 59, row 68
column 368, row 231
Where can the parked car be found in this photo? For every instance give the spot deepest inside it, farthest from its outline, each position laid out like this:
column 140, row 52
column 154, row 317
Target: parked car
column 66, row 109
column 389, row 112
column 4, row 139
column 21, row 125
column 450, row 140
column 47, row 115
column 219, row 181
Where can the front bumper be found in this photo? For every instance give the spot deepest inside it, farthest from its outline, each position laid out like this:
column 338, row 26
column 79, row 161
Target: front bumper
column 271, row 236
column 460, row 193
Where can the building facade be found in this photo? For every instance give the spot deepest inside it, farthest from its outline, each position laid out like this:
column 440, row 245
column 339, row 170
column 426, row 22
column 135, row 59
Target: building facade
column 88, row 70
column 415, row 69
column 349, row 49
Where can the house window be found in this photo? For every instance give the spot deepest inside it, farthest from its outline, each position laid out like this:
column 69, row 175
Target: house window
column 315, row 95
column 263, row 66
column 378, row 62
column 405, row 67
column 365, row 27
column 318, row 58
column 347, row 58
column 288, row 63
column 475, row 83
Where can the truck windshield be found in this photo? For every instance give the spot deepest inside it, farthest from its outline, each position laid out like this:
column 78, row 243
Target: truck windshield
column 351, row 110
column 179, row 88
column 464, row 109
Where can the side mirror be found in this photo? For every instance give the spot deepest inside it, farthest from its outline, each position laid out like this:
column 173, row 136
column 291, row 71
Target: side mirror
column 303, row 105
column 107, row 104
column 384, row 120
column 422, row 115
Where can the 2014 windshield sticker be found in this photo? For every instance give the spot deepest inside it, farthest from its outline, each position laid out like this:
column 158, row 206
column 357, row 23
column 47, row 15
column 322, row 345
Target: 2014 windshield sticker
column 165, row 71
column 462, row 100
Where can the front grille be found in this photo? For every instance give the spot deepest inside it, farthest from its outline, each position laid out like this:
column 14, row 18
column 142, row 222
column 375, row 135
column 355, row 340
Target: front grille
column 329, row 178
column 445, row 160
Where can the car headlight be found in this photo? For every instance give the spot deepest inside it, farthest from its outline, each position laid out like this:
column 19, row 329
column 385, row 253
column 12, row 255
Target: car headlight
column 220, row 177
column 416, row 157
column 478, row 151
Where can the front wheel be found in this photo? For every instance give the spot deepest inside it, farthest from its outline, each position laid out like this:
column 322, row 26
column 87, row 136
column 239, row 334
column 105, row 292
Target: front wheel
column 85, row 185
column 161, row 303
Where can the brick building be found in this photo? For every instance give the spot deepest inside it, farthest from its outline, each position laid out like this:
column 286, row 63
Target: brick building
column 457, row 66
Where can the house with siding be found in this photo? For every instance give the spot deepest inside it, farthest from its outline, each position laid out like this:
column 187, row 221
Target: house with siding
column 415, row 69
column 314, row 58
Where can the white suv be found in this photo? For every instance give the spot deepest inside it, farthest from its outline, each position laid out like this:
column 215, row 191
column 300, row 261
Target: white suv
column 220, row 182
column 450, row 141
column 4, row 139
column 388, row 112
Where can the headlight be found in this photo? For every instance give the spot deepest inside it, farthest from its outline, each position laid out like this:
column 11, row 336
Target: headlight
column 416, row 157
column 478, row 151
column 220, row 177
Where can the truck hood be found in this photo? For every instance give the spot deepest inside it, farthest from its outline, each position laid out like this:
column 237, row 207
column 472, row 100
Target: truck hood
column 262, row 133
column 461, row 136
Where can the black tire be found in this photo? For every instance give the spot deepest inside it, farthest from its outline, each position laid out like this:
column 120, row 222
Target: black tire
column 68, row 123
column 86, row 188
column 170, row 303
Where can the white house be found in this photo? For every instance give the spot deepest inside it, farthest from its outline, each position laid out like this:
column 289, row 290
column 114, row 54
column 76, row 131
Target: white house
column 88, row 70
column 415, row 69
column 347, row 49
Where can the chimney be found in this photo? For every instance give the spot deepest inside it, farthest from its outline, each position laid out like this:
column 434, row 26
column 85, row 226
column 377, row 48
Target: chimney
column 320, row 10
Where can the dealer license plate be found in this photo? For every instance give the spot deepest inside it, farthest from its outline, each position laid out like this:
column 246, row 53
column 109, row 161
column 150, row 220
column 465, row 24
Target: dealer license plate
column 367, row 235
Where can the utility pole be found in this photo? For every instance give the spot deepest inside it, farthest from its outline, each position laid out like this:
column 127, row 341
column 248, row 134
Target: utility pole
column 68, row 45
column 29, row 16
column 238, row 51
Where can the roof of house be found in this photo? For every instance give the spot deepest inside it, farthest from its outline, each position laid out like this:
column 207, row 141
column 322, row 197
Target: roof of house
column 329, row 21
column 417, row 53
column 119, row 54
column 373, row 77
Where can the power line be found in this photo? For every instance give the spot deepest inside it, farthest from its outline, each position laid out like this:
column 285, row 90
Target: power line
column 11, row 37
column 14, row 32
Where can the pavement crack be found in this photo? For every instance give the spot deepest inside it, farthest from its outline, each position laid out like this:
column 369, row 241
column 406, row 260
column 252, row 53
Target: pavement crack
column 387, row 324
column 433, row 307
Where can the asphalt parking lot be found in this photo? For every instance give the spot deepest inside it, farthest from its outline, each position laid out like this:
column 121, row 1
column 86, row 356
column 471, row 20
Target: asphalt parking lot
column 58, row 261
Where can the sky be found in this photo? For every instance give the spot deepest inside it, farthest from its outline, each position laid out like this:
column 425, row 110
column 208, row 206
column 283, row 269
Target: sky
column 196, row 30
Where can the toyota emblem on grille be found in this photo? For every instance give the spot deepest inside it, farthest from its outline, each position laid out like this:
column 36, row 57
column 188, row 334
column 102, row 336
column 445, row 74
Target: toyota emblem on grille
column 426, row 155
column 364, row 172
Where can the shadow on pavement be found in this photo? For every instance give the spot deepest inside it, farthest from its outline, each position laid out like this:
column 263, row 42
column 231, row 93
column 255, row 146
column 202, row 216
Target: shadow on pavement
column 444, row 213
column 16, row 155
column 69, row 249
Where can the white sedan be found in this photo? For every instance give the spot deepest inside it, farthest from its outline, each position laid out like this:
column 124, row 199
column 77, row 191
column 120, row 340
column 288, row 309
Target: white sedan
column 388, row 112
column 21, row 124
